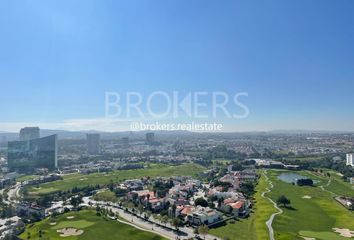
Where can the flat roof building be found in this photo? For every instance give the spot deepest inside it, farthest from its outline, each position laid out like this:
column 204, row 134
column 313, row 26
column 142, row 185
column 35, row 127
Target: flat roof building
column 29, row 133
column 350, row 159
column 93, row 143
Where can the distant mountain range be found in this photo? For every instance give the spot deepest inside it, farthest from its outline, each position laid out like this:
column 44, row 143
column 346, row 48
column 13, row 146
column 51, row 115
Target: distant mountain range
column 63, row 134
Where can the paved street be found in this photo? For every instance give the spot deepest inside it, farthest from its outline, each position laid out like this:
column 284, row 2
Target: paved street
column 187, row 232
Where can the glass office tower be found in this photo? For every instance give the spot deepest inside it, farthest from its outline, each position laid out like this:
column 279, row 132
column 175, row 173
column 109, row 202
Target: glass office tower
column 25, row 156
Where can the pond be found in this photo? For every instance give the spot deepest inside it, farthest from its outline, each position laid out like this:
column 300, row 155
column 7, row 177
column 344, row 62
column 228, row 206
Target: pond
column 290, row 177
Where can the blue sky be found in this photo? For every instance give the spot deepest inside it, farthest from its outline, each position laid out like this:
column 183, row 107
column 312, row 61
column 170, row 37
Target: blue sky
column 295, row 59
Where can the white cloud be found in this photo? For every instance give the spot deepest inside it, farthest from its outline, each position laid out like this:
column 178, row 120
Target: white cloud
column 100, row 124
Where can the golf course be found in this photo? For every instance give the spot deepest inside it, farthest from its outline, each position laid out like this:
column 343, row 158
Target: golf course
column 312, row 214
column 254, row 227
column 81, row 180
column 84, row 225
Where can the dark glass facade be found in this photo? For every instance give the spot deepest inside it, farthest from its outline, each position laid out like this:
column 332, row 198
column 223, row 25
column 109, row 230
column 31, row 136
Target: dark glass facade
column 25, row 156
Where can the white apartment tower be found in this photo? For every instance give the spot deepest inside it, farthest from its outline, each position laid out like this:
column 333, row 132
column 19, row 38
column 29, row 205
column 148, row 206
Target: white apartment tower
column 350, row 160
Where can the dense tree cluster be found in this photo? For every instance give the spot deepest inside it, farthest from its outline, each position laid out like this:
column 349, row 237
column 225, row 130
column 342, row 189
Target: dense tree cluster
column 304, row 182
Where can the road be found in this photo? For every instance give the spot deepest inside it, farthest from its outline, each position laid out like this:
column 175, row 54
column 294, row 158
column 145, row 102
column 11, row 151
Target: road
column 13, row 194
column 280, row 211
column 186, row 232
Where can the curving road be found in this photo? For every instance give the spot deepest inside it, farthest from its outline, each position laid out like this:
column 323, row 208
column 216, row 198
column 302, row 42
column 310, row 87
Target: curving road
column 280, row 211
column 145, row 225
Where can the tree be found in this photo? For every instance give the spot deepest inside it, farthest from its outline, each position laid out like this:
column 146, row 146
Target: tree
column 147, row 215
column 247, row 188
column 304, row 182
column 140, row 209
column 203, row 230
column 98, row 210
column 111, row 186
column 76, row 201
column 282, row 200
column 176, row 222
column 201, row 202
column 164, row 220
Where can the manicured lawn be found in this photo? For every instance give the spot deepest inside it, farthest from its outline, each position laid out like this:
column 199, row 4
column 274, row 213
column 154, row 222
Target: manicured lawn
column 322, row 235
column 81, row 180
column 106, row 196
column 253, row 227
column 337, row 185
column 94, row 228
column 73, row 223
column 26, row 177
column 317, row 215
column 221, row 161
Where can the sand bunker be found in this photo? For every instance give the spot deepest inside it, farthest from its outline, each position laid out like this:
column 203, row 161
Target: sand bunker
column 306, row 197
column 52, row 223
column 70, row 217
column 344, row 232
column 67, row 232
column 308, row 238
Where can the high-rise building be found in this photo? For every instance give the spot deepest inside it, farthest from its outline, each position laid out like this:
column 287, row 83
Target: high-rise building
column 150, row 138
column 26, row 156
column 29, row 133
column 350, row 159
column 93, row 143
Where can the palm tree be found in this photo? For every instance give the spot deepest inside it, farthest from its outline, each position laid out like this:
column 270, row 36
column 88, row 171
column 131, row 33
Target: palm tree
column 203, row 230
column 164, row 220
column 176, row 222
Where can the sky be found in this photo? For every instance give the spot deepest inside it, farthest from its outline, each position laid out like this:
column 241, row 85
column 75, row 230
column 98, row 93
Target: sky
column 294, row 59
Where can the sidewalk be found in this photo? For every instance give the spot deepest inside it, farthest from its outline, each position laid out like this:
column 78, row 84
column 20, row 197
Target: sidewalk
column 184, row 232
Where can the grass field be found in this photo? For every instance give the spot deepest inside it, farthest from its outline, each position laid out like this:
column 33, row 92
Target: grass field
column 306, row 158
column 81, row 180
column 313, row 217
column 337, row 185
column 253, row 227
column 221, row 161
column 106, row 196
column 94, row 228
column 26, row 178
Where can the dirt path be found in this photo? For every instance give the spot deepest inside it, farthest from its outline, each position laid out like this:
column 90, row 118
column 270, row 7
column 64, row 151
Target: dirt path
column 323, row 186
column 280, row 211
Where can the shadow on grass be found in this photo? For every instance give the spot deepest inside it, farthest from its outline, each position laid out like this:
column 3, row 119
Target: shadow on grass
column 289, row 208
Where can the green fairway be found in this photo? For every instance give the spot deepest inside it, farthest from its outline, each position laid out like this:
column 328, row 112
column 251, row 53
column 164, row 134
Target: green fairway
column 94, row 228
column 73, row 223
column 322, row 235
column 106, row 196
column 339, row 187
column 334, row 183
column 81, row 180
column 317, row 213
column 26, row 178
column 253, row 227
